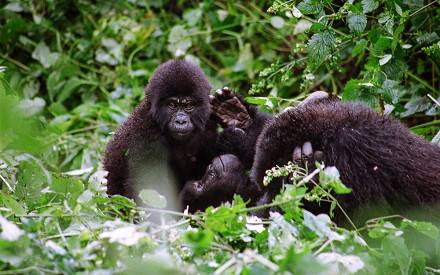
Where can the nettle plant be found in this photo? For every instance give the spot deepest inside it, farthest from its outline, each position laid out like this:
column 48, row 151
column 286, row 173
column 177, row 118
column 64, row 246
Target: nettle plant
column 384, row 53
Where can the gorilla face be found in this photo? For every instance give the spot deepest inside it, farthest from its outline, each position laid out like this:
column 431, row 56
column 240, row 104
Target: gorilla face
column 221, row 180
column 221, row 170
column 179, row 111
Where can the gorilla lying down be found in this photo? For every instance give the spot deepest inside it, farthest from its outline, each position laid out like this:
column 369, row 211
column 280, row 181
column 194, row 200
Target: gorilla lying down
column 377, row 157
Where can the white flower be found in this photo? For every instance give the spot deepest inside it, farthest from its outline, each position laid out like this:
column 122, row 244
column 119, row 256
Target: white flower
column 350, row 262
column 125, row 235
column 10, row 231
column 253, row 223
column 55, row 247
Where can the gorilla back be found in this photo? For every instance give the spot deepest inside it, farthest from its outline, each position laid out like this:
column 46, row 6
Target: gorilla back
column 167, row 140
column 376, row 155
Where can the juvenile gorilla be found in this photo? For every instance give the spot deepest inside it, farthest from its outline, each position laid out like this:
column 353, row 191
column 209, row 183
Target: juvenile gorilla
column 376, row 155
column 169, row 139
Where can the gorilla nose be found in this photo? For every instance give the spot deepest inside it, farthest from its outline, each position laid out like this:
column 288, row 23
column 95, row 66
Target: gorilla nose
column 181, row 121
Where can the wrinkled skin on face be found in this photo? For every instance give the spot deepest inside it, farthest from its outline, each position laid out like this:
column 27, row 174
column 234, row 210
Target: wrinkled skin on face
column 222, row 179
column 179, row 110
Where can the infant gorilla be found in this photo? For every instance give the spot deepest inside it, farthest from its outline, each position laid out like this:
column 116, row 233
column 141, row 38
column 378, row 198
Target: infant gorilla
column 223, row 178
column 226, row 176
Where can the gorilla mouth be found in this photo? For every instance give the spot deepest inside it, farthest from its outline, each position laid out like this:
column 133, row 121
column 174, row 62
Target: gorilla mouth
column 181, row 132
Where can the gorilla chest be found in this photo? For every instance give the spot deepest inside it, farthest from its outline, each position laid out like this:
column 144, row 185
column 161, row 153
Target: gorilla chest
column 188, row 166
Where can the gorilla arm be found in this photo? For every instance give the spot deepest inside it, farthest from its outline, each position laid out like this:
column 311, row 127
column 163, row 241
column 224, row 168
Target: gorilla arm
column 136, row 159
column 243, row 124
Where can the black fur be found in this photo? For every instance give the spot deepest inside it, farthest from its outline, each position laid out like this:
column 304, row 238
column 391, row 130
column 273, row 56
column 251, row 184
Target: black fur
column 142, row 151
column 242, row 142
column 376, row 155
column 224, row 177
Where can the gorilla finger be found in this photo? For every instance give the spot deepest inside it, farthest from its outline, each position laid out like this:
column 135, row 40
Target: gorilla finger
column 226, row 90
column 297, row 154
column 318, row 156
column 219, row 92
column 314, row 97
column 307, row 149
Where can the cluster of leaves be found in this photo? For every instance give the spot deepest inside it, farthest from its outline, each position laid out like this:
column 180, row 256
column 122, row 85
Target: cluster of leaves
column 71, row 71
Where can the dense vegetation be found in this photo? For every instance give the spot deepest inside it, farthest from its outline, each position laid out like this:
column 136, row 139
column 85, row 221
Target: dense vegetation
column 71, row 71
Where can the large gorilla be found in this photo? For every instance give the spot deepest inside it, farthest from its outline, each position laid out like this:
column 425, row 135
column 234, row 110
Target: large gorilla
column 376, row 156
column 171, row 136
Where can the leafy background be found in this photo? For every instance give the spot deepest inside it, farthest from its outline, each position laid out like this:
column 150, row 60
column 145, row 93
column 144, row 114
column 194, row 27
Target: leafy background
column 71, row 71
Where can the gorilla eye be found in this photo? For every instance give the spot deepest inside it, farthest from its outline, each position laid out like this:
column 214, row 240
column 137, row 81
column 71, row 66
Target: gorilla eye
column 172, row 105
column 189, row 107
column 212, row 174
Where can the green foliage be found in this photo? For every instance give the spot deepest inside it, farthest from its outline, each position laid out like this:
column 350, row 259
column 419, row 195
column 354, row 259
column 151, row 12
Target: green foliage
column 71, row 71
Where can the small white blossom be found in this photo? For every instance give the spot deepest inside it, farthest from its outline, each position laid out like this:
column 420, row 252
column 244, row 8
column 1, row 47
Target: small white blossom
column 125, row 235
column 350, row 262
column 10, row 231
column 253, row 223
column 55, row 247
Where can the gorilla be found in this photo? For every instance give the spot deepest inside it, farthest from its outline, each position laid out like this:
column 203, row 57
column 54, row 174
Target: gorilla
column 377, row 157
column 169, row 138
column 172, row 135
column 224, row 177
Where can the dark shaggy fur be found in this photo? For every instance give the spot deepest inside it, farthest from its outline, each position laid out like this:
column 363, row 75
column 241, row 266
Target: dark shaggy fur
column 376, row 155
column 241, row 142
column 142, row 150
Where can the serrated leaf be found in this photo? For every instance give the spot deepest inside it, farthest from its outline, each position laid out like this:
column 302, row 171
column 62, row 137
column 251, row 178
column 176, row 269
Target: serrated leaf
column 152, row 198
column 320, row 47
column 416, row 104
column 310, row 6
column 369, row 5
column 357, row 22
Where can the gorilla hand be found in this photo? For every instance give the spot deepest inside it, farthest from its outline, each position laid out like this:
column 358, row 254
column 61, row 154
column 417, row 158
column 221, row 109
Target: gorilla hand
column 304, row 155
column 229, row 109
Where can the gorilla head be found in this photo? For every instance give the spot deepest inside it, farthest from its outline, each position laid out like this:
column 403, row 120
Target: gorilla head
column 178, row 92
column 222, row 179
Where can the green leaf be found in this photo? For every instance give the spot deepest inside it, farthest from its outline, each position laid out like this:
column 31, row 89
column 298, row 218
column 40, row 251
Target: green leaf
column 357, row 22
column 359, row 48
column 11, row 203
column 200, row 240
column 425, row 228
column 369, row 5
column 320, row 47
column 69, row 88
column 356, row 90
column 43, row 54
column 310, row 6
column 416, row 104
column 152, row 198
column 330, row 177
column 384, row 60
column 179, row 41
